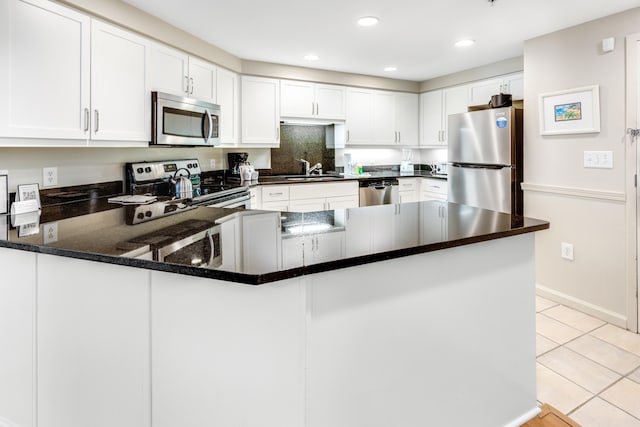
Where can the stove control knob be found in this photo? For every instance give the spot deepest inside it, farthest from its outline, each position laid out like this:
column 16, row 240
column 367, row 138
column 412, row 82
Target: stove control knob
column 147, row 169
column 195, row 165
column 148, row 214
column 139, row 170
column 140, row 215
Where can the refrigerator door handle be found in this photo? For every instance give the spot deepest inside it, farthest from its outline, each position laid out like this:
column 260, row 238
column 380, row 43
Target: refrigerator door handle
column 476, row 166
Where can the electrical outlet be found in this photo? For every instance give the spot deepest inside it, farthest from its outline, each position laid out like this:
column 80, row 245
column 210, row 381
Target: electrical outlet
column 50, row 232
column 598, row 159
column 49, row 176
column 213, row 164
column 566, row 251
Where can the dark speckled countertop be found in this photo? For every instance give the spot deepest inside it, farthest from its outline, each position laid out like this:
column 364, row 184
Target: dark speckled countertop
column 96, row 230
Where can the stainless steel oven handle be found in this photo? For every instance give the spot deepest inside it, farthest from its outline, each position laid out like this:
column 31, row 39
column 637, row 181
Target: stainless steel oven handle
column 210, row 126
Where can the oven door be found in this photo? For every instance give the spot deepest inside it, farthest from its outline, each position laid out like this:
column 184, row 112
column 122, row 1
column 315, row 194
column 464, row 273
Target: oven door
column 199, row 250
column 241, row 200
column 184, row 121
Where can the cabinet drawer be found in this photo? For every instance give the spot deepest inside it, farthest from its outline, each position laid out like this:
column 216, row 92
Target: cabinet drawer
column 274, row 193
column 407, row 184
column 434, row 185
column 324, row 190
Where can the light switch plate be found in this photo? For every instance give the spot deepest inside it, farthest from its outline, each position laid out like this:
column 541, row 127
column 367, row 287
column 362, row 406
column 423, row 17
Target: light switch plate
column 598, row 159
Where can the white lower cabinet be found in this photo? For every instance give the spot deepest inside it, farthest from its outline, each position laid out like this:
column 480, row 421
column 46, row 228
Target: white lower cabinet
column 17, row 317
column 433, row 189
column 408, row 190
column 433, row 230
column 93, row 349
column 313, row 249
column 383, row 228
column 227, row 354
column 310, row 197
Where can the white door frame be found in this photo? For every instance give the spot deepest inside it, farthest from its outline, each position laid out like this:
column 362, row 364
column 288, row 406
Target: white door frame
column 632, row 163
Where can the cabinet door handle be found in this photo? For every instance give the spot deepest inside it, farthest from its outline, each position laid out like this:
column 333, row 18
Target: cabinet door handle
column 317, row 109
column 399, row 137
column 185, row 89
column 97, row 121
column 348, row 136
column 277, row 134
column 191, row 90
column 313, row 108
column 86, row 119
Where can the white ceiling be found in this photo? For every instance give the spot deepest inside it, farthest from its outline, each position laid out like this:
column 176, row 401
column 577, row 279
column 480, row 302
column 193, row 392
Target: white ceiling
column 416, row 36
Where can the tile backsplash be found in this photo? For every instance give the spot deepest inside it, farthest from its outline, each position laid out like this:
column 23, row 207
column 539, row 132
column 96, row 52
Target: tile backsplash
column 301, row 142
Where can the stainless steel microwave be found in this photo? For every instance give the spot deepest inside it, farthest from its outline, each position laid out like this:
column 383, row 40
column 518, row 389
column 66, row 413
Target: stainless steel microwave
column 176, row 120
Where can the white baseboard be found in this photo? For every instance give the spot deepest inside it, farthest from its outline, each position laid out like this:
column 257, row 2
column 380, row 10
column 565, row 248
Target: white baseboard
column 529, row 415
column 602, row 313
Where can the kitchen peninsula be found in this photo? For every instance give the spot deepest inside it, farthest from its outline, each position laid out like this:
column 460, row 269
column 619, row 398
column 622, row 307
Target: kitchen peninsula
column 425, row 317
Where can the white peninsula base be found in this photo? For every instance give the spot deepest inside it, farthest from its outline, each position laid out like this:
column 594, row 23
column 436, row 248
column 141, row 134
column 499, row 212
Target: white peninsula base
column 444, row 338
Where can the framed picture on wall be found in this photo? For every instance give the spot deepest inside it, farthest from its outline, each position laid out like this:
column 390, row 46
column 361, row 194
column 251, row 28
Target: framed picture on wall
column 570, row 111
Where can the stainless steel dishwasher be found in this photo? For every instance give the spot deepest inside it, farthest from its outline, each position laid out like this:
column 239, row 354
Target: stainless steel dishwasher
column 378, row 191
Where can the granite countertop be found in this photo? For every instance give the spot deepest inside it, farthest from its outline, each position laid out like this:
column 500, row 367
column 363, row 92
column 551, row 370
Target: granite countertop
column 99, row 232
column 329, row 177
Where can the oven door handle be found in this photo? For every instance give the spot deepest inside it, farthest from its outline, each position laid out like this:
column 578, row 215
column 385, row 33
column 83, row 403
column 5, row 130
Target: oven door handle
column 210, row 119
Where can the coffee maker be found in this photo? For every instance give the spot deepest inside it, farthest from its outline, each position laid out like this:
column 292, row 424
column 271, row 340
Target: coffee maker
column 234, row 161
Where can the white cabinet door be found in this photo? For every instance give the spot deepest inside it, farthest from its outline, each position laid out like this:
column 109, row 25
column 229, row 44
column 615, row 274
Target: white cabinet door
column 297, row 99
column 119, row 98
column 44, row 70
column 383, row 228
column 515, row 86
column 260, row 111
column 326, row 247
column 431, row 130
column 17, row 335
column 293, row 252
column 407, row 117
column 311, row 100
column 331, row 102
column 343, row 202
column 383, row 119
column 93, row 344
column 407, row 220
column 202, row 80
column 433, row 189
column 308, row 205
column 168, row 69
column 456, row 100
column 228, row 95
column 481, row 92
column 433, row 222
column 261, row 242
column 359, row 113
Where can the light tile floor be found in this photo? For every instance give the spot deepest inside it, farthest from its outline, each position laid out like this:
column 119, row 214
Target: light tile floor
column 587, row 368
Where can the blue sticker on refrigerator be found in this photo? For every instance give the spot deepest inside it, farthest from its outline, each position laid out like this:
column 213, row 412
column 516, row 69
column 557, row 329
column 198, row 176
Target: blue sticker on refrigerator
column 501, row 122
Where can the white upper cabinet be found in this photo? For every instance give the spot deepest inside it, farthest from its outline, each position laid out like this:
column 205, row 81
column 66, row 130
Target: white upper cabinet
column 381, row 117
column 44, row 70
column 260, row 120
column 481, row 92
column 407, row 117
column 177, row 73
column 359, row 114
column 120, row 105
column 312, row 100
column 228, row 94
column 436, row 107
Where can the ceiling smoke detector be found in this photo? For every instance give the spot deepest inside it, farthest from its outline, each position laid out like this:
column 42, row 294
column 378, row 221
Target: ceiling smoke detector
column 491, row 2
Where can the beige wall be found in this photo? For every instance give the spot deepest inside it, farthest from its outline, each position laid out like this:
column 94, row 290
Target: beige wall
column 586, row 207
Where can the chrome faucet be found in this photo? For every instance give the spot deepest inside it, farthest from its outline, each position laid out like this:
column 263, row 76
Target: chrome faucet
column 308, row 170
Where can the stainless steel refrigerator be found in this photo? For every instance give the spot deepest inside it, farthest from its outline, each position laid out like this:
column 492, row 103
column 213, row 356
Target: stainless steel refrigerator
column 485, row 159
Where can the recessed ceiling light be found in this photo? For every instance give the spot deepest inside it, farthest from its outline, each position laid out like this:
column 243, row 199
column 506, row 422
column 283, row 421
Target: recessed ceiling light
column 311, row 57
column 391, row 68
column 464, row 43
column 368, row 21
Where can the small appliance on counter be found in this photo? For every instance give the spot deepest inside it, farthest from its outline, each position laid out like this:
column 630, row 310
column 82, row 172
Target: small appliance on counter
column 406, row 166
column 240, row 168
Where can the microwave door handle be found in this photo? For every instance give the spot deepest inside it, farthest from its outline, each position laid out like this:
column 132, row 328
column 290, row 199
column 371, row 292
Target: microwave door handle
column 210, row 119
